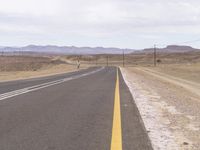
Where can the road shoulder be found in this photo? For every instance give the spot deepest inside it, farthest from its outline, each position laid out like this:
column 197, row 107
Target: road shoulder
column 170, row 113
column 134, row 133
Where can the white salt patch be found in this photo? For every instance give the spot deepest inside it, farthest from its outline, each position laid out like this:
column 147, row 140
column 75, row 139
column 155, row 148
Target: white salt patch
column 172, row 110
column 168, row 108
column 190, row 117
column 193, row 127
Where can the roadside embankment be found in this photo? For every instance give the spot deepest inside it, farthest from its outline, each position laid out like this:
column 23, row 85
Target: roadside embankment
column 169, row 104
column 21, row 67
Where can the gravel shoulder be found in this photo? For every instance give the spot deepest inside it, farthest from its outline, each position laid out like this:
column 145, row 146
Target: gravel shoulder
column 169, row 105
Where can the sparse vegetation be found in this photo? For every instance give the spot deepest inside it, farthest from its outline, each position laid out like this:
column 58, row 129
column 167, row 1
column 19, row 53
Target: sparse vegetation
column 18, row 67
column 38, row 63
column 26, row 63
column 139, row 59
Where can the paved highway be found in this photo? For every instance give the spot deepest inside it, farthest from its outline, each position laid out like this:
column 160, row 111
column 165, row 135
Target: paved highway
column 91, row 109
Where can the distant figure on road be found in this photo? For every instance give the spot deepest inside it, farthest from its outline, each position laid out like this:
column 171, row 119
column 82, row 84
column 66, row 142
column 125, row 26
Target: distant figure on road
column 78, row 64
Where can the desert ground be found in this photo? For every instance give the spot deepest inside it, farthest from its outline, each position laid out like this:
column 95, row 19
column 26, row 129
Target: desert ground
column 137, row 59
column 21, row 67
column 168, row 98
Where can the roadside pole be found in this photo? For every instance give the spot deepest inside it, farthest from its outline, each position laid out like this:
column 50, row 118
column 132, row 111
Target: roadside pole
column 107, row 60
column 123, row 59
column 155, row 56
column 96, row 60
column 78, row 62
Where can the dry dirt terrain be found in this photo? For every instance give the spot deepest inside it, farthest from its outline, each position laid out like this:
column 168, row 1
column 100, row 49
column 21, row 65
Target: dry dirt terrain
column 20, row 67
column 168, row 97
column 138, row 59
column 146, row 59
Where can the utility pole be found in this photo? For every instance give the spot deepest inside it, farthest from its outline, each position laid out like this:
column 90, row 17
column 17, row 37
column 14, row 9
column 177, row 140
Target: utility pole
column 155, row 59
column 78, row 62
column 96, row 60
column 123, row 59
column 107, row 60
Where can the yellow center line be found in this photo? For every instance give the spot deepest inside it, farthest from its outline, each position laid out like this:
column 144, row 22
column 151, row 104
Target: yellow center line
column 116, row 141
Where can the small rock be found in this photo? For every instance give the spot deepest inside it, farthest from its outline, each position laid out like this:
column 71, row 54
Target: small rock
column 185, row 143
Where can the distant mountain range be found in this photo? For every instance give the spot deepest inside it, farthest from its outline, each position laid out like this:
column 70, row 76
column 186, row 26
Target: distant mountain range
column 52, row 49
column 172, row 49
column 66, row 49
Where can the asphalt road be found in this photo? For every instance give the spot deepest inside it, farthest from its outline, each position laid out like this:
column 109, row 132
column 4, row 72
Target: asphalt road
column 73, row 111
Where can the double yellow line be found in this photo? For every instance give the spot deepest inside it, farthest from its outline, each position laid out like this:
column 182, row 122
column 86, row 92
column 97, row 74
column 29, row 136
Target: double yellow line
column 116, row 141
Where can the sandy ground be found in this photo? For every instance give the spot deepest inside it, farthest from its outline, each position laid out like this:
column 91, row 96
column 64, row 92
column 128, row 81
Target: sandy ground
column 44, row 66
column 168, row 99
column 45, row 71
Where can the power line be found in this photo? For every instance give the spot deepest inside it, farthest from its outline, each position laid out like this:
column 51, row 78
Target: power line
column 192, row 41
column 155, row 52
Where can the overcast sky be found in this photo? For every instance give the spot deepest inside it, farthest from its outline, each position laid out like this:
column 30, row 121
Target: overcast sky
column 109, row 23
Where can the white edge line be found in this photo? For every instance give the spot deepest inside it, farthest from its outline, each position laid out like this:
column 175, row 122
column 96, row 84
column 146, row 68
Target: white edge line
column 44, row 85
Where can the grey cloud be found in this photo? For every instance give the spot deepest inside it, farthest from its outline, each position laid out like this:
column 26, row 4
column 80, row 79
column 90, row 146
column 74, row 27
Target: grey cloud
column 102, row 19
